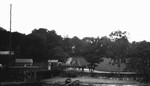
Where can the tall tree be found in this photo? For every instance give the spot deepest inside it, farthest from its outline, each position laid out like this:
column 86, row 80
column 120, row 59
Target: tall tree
column 40, row 41
column 67, row 45
column 94, row 51
column 76, row 46
column 4, row 39
column 118, row 48
column 140, row 57
column 58, row 53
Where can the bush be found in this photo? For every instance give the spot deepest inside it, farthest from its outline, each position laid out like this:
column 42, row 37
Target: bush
column 72, row 74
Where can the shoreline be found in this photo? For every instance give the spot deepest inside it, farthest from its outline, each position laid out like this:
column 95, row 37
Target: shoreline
column 89, row 80
column 85, row 81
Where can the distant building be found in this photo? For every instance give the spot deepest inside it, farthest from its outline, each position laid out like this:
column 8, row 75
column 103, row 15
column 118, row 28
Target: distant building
column 5, row 58
column 23, row 62
column 53, row 64
column 6, row 52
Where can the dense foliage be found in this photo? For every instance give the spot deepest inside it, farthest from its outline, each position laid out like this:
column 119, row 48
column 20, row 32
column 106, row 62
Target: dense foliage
column 42, row 44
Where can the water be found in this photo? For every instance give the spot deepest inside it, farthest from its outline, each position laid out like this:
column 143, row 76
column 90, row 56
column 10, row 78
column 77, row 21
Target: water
column 119, row 85
column 43, row 84
column 114, row 85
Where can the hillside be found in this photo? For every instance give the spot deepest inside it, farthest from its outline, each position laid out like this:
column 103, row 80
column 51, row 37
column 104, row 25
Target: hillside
column 105, row 65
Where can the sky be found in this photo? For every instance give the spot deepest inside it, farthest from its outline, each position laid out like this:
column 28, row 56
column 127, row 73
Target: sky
column 81, row 18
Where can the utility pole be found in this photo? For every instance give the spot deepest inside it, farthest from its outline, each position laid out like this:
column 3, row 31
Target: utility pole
column 10, row 36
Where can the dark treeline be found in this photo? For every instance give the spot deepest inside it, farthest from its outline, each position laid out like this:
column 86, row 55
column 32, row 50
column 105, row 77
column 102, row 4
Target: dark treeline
column 42, row 44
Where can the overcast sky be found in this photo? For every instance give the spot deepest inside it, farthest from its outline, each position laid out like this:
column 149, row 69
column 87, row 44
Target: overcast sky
column 82, row 18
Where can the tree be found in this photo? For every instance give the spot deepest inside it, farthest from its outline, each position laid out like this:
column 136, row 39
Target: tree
column 94, row 51
column 58, row 53
column 118, row 47
column 39, row 42
column 67, row 45
column 140, row 57
column 4, row 39
column 76, row 46
column 34, row 48
column 18, row 42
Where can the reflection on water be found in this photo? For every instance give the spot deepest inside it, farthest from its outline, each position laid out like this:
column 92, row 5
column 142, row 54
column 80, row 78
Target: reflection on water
column 114, row 85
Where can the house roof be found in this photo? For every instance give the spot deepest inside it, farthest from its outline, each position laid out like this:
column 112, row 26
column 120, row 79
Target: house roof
column 6, row 52
column 52, row 60
column 24, row 60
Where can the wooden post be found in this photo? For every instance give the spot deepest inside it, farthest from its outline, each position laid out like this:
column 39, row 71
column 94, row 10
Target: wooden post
column 35, row 75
